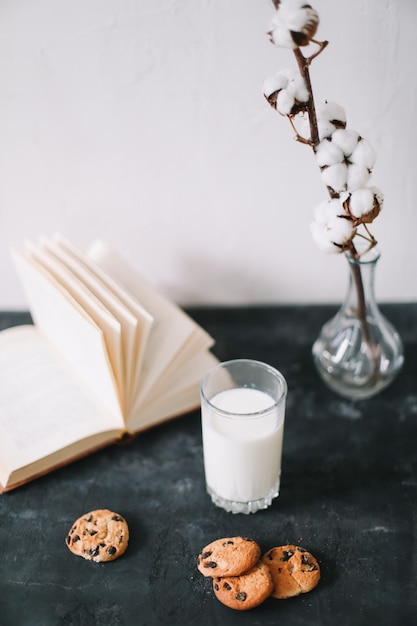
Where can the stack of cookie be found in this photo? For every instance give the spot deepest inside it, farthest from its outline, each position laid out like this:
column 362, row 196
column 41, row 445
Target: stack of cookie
column 243, row 579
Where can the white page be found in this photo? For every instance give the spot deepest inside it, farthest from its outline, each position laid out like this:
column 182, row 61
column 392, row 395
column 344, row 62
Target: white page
column 127, row 322
column 173, row 329
column 43, row 404
column 183, row 395
column 94, row 308
column 71, row 330
column 193, row 347
column 110, row 290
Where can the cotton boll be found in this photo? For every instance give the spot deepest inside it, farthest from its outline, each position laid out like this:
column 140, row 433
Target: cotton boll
column 357, row 176
column 361, row 202
column 333, row 113
column 285, row 76
column 363, row 154
column 330, row 117
column 332, row 228
column 275, row 83
column 321, row 213
column 327, row 153
column 333, row 236
column 378, row 195
column 335, row 209
column 301, row 93
column 270, row 86
column 365, row 204
column 325, row 128
column 285, row 102
column 294, row 24
column 301, row 19
column 329, row 209
column 286, row 91
column 297, row 88
column 321, row 237
column 346, row 139
column 335, row 176
column 281, row 38
column 341, row 230
column 278, row 32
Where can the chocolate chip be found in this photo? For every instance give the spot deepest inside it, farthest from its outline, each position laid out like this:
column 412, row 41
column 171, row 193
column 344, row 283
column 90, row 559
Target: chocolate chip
column 216, row 586
column 310, row 568
column 301, row 549
column 112, row 550
column 227, row 586
column 210, row 564
column 93, row 532
column 287, row 555
column 120, row 538
column 75, row 538
column 206, row 555
column 226, row 543
column 89, row 518
column 93, row 551
column 241, row 596
column 68, row 540
column 117, row 518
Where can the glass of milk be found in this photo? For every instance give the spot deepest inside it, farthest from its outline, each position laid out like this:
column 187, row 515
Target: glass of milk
column 242, row 415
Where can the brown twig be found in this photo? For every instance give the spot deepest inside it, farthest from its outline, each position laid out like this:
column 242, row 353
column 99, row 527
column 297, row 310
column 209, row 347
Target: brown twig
column 304, row 69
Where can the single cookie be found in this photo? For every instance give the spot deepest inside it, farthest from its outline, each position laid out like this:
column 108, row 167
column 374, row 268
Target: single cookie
column 230, row 556
column 246, row 591
column 293, row 570
column 99, row 536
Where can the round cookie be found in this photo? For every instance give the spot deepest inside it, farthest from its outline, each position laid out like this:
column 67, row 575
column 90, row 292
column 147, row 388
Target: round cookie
column 230, row 556
column 99, row 536
column 245, row 591
column 293, row 570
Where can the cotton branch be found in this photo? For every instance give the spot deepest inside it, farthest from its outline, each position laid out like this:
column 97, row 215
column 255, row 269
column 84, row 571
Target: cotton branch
column 304, row 68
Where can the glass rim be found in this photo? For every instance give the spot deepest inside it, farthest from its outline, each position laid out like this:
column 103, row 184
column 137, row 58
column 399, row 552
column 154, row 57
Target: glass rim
column 252, row 414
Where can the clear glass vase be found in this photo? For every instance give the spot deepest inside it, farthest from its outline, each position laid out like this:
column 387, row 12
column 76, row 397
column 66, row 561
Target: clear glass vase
column 358, row 352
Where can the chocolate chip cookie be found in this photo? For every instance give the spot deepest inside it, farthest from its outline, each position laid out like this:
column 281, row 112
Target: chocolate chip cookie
column 245, row 591
column 99, row 536
column 230, row 556
column 293, row 570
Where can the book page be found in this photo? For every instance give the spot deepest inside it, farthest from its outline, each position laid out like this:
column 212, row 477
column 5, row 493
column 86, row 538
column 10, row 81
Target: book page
column 191, row 348
column 182, row 395
column 104, row 319
column 44, row 405
column 173, row 328
column 73, row 333
column 136, row 321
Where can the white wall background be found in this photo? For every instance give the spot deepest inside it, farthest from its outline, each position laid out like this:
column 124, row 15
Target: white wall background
column 143, row 123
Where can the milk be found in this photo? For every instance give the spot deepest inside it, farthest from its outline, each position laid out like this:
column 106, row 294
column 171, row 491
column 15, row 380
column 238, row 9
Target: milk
column 242, row 453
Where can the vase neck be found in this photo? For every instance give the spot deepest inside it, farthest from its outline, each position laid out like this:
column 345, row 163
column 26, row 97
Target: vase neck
column 361, row 292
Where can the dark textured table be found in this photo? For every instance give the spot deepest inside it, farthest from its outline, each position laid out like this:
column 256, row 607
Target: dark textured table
column 348, row 494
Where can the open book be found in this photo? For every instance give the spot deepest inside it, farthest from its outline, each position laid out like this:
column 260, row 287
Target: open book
column 107, row 356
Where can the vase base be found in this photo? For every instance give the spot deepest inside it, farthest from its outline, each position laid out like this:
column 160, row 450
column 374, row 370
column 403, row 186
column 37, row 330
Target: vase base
column 354, row 390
